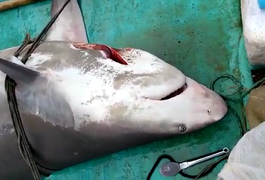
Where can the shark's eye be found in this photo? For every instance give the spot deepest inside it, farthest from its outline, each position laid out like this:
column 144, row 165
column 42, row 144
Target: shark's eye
column 182, row 128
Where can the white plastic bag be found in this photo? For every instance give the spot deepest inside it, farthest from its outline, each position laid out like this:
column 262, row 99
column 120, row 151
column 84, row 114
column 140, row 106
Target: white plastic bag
column 253, row 19
column 247, row 159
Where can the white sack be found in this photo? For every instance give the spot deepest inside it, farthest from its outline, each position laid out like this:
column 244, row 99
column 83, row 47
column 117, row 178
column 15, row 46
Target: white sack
column 253, row 19
column 247, row 159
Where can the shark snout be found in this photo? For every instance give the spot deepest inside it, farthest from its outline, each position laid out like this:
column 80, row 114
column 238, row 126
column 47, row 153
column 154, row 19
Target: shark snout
column 210, row 101
column 217, row 106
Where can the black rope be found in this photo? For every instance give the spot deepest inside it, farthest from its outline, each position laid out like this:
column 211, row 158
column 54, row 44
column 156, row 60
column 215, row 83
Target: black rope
column 243, row 122
column 10, row 84
column 243, row 126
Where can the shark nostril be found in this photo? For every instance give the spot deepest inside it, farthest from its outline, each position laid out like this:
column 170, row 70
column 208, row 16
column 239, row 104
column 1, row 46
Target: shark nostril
column 209, row 111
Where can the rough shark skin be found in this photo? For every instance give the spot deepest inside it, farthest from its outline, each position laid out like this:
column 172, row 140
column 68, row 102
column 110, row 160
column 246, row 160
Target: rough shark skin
column 76, row 99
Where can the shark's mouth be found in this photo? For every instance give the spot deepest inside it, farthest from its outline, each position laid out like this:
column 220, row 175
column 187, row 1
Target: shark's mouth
column 175, row 93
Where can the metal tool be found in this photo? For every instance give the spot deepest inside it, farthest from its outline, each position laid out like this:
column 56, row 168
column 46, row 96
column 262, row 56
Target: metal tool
column 173, row 168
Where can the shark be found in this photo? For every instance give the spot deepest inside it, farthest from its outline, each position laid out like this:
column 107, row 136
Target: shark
column 80, row 101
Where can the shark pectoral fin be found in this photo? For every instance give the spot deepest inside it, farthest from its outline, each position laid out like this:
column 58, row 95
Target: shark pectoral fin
column 69, row 26
column 17, row 71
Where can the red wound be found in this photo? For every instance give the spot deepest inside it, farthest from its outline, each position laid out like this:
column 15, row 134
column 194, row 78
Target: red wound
column 110, row 52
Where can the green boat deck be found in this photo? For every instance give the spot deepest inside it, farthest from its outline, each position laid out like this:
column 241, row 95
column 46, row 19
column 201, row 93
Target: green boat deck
column 204, row 40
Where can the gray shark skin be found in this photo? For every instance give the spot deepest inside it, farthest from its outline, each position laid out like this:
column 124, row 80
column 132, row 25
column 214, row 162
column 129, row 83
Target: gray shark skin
column 78, row 104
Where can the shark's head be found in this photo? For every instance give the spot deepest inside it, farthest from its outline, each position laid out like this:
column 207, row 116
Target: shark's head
column 135, row 91
column 154, row 95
